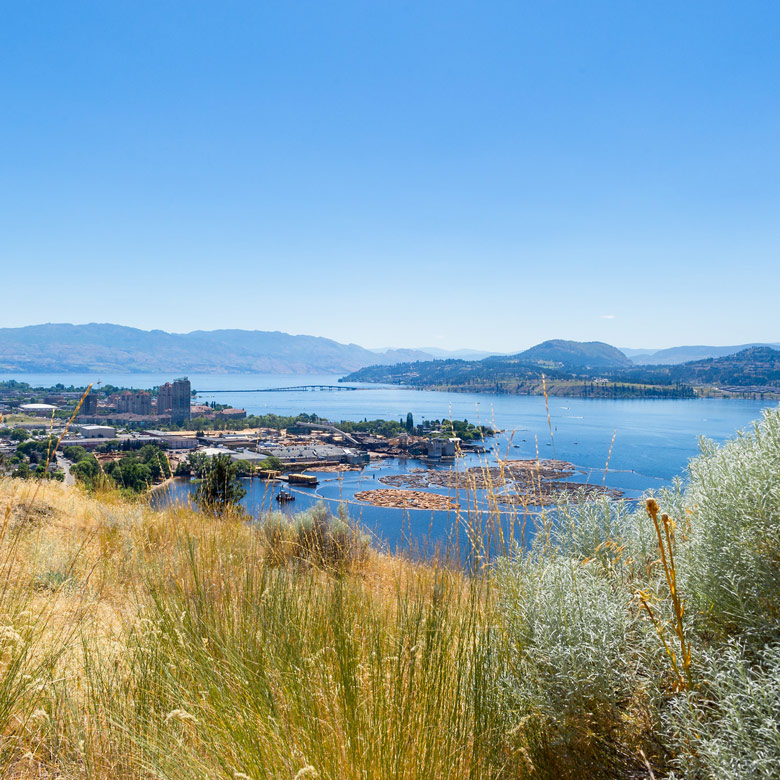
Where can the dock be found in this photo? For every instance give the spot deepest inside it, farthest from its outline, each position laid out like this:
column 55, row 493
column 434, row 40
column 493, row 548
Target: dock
column 294, row 389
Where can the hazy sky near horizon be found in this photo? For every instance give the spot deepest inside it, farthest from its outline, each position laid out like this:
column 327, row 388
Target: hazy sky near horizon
column 451, row 174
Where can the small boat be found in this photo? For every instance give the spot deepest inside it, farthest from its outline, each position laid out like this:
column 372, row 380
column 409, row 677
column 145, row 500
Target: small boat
column 284, row 495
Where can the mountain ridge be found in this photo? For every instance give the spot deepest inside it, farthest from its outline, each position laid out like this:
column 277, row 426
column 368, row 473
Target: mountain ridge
column 109, row 347
column 671, row 356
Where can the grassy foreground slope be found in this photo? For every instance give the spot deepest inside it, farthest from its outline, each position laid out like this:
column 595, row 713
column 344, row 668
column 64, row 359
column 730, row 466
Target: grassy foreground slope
column 144, row 644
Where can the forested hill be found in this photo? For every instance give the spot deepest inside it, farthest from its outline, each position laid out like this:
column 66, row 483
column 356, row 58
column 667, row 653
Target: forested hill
column 756, row 369
column 106, row 347
column 556, row 359
column 572, row 354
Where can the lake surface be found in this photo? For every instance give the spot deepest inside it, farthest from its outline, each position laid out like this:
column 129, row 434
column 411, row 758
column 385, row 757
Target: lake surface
column 653, row 439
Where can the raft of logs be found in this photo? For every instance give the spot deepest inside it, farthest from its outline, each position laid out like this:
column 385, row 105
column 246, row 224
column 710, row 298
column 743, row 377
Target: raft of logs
column 405, row 499
column 511, row 483
column 337, row 468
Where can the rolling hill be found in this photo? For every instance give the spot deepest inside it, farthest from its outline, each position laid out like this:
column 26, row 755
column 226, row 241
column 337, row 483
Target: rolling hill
column 557, row 360
column 756, row 369
column 573, row 354
column 751, row 367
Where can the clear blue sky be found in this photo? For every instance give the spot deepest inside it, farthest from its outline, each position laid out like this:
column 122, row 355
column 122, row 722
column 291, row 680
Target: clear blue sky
column 455, row 174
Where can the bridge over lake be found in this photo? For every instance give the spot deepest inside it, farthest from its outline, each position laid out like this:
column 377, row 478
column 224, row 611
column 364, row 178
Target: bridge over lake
column 295, row 388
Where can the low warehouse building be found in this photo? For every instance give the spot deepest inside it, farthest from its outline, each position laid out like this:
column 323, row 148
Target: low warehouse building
column 173, row 440
column 96, row 431
column 39, row 410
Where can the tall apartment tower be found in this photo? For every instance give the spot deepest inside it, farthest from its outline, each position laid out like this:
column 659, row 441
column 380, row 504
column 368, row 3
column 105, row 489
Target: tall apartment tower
column 164, row 398
column 135, row 403
column 180, row 406
column 89, row 406
column 141, row 403
column 175, row 399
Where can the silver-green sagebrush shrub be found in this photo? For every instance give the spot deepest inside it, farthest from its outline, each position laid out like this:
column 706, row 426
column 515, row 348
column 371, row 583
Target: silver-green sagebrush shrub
column 729, row 727
column 730, row 564
column 614, row 533
column 576, row 654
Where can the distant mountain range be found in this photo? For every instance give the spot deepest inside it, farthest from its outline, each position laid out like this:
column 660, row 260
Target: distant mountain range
column 675, row 355
column 115, row 348
column 465, row 354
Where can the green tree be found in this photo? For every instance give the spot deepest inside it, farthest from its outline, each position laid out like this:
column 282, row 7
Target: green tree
column 197, row 464
column 129, row 473
column 85, row 470
column 22, row 471
column 271, row 463
column 153, row 457
column 409, row 423
column 220, row 487
column 75, row 453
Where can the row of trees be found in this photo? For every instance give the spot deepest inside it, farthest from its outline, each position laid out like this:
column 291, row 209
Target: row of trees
column 219, row 483
column 387, row 428
column 134, row 472
column 198, row 464
column 276, row 421
column 219, row 478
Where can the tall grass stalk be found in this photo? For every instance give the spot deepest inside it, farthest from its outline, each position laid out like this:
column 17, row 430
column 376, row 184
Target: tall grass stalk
column 681, row 666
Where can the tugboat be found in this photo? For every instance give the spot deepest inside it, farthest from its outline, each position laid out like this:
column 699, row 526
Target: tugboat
column 284, row 495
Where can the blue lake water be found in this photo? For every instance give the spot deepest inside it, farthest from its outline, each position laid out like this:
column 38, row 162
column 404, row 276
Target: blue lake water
column 653, row 439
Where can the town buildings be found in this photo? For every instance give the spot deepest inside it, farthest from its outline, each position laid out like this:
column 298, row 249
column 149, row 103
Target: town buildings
column 90, row 404
column 139, row 402
column 174, row 399
column 133, row 408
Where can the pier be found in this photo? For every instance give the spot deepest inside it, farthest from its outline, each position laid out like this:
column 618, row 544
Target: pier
column 295, row 388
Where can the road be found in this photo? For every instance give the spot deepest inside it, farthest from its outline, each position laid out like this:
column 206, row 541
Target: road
column 64, row 464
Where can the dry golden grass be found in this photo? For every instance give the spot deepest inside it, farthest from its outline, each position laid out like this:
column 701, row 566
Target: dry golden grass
column 99, row 570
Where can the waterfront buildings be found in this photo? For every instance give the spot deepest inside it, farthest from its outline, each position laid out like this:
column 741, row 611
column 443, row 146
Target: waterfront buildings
column 440, row 448
column 231, row 413
column 204, row 410
column 311, row 453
